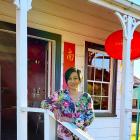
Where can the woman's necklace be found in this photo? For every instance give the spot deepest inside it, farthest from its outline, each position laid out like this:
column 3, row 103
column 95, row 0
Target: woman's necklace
column 75, row 98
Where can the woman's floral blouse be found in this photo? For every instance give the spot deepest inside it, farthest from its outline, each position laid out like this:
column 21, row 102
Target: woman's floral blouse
column 81, row 111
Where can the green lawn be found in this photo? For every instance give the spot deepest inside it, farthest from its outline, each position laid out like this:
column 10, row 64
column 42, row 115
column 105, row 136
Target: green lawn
column 133, row 137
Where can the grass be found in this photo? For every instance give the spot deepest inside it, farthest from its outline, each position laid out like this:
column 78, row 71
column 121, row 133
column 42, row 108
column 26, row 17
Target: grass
column 133, row 137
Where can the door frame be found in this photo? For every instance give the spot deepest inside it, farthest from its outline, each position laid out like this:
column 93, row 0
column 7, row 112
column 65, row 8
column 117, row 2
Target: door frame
column 56, row 38
column 0, row 102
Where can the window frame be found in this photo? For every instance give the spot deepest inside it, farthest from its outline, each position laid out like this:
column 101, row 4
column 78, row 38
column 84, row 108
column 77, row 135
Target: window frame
column 112, row 113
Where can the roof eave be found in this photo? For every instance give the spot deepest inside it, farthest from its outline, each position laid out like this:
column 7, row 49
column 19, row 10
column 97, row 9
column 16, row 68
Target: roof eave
column 122, row 6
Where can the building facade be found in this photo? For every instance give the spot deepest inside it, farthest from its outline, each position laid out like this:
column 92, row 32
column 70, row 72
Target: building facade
column 60, row 33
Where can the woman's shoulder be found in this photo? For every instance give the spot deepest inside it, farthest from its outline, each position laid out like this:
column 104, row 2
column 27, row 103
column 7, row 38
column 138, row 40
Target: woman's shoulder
column 85, row 94
column 62, row 94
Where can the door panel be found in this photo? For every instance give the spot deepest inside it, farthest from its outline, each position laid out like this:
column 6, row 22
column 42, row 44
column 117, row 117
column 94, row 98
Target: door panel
column 0, row 100
column 8, row 85
column 36, row 71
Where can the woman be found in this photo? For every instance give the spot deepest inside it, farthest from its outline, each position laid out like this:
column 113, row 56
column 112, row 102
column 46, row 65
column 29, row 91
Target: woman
column 70, row 105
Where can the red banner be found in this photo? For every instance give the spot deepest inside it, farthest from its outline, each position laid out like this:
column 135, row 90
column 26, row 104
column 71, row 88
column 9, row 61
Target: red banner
column 69, row 58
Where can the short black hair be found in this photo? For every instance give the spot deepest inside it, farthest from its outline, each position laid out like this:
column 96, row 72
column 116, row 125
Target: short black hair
column 70, row 71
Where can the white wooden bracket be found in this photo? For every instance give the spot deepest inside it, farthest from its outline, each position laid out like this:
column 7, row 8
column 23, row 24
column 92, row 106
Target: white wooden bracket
column 129, row 24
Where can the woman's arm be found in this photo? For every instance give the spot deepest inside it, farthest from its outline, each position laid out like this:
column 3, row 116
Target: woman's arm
column 87, row 114
column 52, row 102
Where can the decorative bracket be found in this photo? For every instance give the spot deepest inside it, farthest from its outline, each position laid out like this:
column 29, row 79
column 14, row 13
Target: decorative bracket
column 129, row 24
column 18, row 3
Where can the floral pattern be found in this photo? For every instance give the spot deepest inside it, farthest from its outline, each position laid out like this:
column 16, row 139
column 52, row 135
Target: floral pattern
column 81, row 111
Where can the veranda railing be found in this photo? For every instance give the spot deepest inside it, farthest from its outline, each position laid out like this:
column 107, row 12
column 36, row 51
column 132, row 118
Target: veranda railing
column 50, row 125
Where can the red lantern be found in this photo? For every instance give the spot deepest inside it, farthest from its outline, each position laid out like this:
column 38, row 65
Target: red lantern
column 114, row 45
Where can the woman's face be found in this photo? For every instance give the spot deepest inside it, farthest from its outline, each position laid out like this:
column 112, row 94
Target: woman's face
column 73, row 81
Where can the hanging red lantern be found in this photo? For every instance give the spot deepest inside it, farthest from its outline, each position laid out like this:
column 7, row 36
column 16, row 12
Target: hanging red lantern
column 114, row 45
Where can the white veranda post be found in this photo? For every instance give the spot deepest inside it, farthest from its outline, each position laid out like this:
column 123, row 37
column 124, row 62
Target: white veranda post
column 22, row 8
column 129, row 25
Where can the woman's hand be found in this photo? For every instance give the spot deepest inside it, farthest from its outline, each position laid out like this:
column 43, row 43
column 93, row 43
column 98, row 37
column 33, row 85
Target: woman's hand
column 66, row 119
column 57, row 114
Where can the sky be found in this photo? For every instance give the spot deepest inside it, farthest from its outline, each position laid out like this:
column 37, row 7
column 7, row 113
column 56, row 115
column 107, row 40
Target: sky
column 135, row 1
column 137, row 68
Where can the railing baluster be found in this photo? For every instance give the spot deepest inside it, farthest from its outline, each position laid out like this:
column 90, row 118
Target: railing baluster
column 49, row 127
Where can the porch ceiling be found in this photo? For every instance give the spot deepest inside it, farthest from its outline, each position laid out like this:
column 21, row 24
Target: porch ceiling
column 67, row 15
column 109, row 15
column 100, row 21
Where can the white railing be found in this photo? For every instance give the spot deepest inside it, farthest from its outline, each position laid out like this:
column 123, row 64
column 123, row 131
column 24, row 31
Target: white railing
column 50, row 125
column 133, row 110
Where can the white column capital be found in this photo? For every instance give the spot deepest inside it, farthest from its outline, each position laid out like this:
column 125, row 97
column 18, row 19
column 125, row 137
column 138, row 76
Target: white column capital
column 19, row 4
column 129, row 24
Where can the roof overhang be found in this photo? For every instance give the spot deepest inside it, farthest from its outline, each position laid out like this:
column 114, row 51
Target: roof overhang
column 123, row 6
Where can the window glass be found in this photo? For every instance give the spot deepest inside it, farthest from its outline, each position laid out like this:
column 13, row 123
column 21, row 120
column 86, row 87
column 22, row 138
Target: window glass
column 106, row 68
column 97, row 103
column 98, row 60
column 90, row 88
column 105, row 90
column 90, row 73
column 104, row 103
column 97, row 89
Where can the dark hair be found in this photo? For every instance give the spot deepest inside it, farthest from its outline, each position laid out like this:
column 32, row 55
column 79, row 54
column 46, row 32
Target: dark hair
column 70, row 71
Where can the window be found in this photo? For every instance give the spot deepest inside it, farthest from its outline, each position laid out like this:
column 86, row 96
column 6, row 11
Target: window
column 100, row 79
